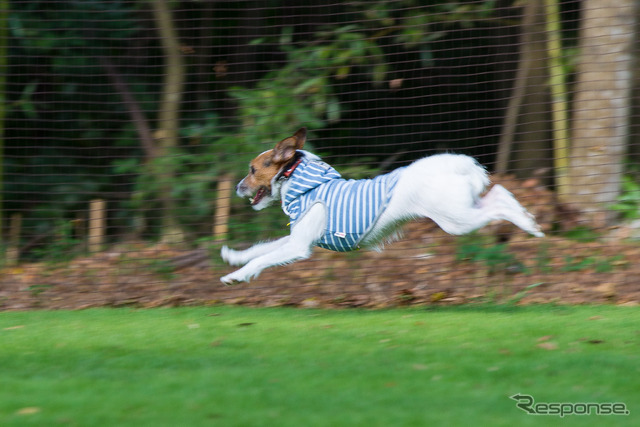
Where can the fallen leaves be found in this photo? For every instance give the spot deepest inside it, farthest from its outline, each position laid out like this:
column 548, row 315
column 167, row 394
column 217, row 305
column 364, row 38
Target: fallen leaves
column 420, row 269
column 545, row 343
column 28, row 410
column 548, row 345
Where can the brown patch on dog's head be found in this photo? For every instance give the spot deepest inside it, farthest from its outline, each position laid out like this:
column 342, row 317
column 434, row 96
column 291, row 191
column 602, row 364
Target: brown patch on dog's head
column 268, row 165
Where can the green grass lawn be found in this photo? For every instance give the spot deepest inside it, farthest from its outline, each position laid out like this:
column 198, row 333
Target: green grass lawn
column 295, row 367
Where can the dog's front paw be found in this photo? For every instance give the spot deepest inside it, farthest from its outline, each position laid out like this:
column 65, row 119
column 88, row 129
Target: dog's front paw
column 231, row 279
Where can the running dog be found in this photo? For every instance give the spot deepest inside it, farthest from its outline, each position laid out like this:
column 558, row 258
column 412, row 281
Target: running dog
column 340, row 215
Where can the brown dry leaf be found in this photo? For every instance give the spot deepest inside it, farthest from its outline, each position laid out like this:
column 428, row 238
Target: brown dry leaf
column 545, row 338
column 310, row 302
column 28, row 410
column 549, row 345
column 607, row 289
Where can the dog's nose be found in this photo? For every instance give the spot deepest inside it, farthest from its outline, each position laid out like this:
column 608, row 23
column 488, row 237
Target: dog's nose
column 240, row 188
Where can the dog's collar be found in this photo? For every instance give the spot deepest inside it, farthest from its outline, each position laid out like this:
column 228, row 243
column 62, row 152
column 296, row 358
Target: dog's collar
column 288, row 172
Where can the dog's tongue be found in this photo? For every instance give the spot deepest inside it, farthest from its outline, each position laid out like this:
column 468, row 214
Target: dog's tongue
column 259, row 195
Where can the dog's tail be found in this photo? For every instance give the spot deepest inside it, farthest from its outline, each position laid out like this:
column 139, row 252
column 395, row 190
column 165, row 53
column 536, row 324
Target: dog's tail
column 478, row 175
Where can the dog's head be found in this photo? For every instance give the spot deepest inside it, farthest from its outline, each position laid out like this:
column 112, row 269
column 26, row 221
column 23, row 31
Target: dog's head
column 261, row 184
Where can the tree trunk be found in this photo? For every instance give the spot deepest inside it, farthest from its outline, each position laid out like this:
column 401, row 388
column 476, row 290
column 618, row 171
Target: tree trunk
column 634, row 141
column 508, row 133
column 135, row 110
column 4, row 38
column 559, row 97
column 524, row 142
column 601, row 107
column 168, row 117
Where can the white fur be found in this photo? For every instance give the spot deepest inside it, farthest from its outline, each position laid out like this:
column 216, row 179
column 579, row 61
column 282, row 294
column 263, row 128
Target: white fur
column 444, row 187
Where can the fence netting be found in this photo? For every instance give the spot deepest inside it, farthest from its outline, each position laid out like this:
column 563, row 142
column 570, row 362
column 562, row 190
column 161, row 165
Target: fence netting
column 125, row 126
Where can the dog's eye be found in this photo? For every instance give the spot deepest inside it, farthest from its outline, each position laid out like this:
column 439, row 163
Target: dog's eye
column 252, row 170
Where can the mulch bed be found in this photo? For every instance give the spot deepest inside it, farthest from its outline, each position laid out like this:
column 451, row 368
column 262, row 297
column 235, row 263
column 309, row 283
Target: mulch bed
column 426, row 267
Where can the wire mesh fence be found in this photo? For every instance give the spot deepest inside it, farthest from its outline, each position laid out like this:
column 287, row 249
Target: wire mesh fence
column 126, row 125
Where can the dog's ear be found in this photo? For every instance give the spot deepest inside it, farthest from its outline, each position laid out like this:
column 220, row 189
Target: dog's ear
column 286, row 149
column 301, row 137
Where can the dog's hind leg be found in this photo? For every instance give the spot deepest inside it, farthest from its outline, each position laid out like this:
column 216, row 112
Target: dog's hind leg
column 304, row 234
column 458, row 215
column 501, row 204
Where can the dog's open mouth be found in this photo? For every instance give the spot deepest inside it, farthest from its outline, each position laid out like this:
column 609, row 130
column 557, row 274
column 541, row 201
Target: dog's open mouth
column 259, row 196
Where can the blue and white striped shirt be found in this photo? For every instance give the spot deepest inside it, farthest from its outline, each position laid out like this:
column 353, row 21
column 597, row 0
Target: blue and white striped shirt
column 353, row 206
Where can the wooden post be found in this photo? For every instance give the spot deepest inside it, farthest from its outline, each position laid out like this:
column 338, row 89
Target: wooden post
column 13, row 249
column 97, row 221
column 223, row 207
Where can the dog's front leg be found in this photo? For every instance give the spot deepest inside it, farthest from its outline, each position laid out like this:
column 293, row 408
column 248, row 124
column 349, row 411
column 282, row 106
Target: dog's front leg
column 233, row 257
column 304, row 234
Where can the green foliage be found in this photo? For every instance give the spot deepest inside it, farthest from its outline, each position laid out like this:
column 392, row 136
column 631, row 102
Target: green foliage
column 522, row 294
column 36, row 290
column 163, row 268
column 192, row 183
column 63, row 247
column 543, row 259
column 64, row 112
column 301, row 90
column 628, row 204
column 495, row 257
column 595, row 263
column 582, row 234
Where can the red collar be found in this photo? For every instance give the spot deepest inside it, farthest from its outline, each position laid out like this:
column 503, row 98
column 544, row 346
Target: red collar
column 293, row 167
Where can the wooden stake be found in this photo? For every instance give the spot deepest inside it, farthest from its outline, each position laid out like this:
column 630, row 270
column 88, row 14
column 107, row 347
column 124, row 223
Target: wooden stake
column 97, row 222
column 223, row 207
column 13, row 250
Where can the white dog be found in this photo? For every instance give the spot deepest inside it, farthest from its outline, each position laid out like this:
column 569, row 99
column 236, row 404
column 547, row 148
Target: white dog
column 327, row 211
